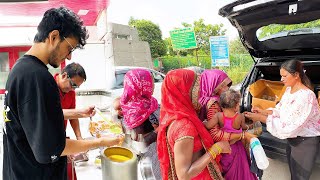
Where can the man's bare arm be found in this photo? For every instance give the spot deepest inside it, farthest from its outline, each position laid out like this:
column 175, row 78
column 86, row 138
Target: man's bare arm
column 79, row 113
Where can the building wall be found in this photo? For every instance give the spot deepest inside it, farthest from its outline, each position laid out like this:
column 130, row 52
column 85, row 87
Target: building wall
column 124, row 48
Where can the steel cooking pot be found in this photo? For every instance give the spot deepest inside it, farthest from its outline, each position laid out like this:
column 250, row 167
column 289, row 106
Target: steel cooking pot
column 118, row 163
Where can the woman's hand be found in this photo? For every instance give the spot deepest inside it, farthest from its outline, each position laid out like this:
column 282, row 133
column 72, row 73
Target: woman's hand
column 256, row 109
column 253, row 116
column 225, row 146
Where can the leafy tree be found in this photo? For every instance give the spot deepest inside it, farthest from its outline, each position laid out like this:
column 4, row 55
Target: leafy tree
column 169, row 46
column 150, row 32
column 275, row 28
column 236, row 47
column 203, row 32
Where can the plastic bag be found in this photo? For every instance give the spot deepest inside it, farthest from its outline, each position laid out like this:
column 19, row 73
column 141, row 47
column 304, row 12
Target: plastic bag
column 102, row 125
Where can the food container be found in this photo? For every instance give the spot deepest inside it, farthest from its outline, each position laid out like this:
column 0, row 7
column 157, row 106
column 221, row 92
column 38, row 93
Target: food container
column 118, row 163
column 102, row 124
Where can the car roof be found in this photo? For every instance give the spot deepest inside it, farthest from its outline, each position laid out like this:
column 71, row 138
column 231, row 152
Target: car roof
column 250, row 15
column 127, row 68
column 197, row 69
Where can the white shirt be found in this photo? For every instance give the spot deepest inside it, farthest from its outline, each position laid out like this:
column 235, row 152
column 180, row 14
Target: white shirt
column 297, row 114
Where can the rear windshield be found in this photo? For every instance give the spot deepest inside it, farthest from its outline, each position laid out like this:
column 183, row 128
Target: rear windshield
column 281, row 30
column 119, row 80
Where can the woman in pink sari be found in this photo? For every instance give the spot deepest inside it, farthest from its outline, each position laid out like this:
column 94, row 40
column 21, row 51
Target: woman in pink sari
column 212, row 84
column 141, row 113
column 138, row 105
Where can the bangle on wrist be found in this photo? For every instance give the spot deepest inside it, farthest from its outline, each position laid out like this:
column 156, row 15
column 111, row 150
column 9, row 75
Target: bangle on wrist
column 212, row 153
column 211, row 156
column 218, row 148
column 247, row 127
column 241, row 136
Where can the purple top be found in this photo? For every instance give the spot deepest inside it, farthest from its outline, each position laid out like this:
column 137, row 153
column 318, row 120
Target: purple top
column 227, row 124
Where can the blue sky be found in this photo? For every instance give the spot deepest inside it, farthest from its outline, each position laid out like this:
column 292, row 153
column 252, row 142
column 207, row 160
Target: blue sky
column 169, row 14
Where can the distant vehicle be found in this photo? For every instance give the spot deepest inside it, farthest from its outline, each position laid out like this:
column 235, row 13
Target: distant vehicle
column 196, row 69
column 120, row 71
column 270, row 51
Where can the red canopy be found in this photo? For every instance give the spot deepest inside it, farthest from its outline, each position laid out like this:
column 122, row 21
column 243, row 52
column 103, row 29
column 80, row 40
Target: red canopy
column 35, row 10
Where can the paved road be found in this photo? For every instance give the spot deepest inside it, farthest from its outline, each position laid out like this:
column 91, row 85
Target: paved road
column 279, row 170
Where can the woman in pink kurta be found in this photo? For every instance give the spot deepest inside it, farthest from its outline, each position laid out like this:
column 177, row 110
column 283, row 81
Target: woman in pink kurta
column 296, row 118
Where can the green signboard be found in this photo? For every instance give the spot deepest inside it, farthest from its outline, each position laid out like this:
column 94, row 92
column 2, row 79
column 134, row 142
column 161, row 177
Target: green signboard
column 183, row 39
column 156, row 63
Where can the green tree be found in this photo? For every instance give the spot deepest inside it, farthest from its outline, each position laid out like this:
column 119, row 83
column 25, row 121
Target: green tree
column 275, row 28
column 203, row 32
column 150, row 32
column 236, row 47
column 169, row 46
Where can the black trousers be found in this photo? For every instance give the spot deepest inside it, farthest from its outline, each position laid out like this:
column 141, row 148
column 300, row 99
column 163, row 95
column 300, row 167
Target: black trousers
column 301, row 155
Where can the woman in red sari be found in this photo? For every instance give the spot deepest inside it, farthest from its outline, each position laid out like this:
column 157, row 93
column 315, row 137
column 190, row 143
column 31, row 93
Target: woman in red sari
column 185, row 148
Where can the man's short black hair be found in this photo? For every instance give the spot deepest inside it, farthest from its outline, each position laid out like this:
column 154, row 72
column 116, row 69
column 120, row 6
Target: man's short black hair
column 66, row 22
column 75, row 69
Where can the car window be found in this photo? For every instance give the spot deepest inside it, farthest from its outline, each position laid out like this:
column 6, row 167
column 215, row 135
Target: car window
column 272, row 31
column 119, row 80
column 157, row 76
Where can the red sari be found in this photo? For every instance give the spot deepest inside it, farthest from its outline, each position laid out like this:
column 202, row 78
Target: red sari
column 177, row 108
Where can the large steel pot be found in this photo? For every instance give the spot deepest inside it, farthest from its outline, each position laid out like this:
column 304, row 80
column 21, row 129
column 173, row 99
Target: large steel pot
column 118, row 163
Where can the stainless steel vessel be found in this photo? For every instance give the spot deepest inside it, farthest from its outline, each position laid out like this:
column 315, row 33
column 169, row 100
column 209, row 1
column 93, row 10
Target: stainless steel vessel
column 118, row 163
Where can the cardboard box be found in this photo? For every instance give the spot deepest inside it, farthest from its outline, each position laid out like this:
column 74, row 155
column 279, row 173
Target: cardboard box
column 265, row 93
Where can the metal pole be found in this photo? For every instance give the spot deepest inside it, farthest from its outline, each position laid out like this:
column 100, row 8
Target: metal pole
column 179, row 58
column 197, row 56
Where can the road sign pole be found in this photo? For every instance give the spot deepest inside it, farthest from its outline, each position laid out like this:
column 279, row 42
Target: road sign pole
column 197, row 56
column 179, row 61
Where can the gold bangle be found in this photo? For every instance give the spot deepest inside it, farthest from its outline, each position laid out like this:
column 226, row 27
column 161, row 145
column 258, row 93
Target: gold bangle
column 213, row 154
column 218, row 148
column 240, row 137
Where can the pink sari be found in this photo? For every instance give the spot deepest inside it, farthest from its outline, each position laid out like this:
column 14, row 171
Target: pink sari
column 136, row 101
column 212, row 81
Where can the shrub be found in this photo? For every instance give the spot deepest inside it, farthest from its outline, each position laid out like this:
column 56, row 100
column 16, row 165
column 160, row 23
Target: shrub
column 240, row 64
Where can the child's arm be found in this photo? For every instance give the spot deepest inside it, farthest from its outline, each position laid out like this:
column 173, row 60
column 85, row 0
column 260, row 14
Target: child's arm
column 244, row 126
column 212, row 122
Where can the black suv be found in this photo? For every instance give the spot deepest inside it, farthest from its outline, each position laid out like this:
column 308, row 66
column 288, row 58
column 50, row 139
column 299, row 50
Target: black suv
column 273, row 32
